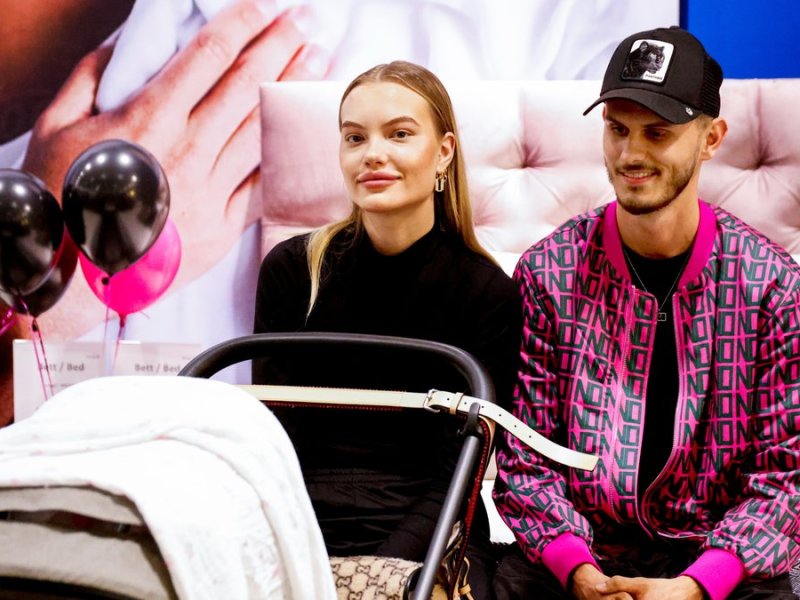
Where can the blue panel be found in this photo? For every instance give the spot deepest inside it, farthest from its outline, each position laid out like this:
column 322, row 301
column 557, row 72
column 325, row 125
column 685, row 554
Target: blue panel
column 748, row 38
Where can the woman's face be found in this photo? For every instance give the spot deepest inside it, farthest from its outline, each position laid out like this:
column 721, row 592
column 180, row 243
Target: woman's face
column 390, row 152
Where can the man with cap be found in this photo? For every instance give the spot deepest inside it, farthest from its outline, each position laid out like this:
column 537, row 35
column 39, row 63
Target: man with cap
column 663, row 335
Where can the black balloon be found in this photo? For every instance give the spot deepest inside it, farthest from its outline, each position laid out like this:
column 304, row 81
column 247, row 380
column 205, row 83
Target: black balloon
column 52, row 288
column 115, row 202
column 31, row 232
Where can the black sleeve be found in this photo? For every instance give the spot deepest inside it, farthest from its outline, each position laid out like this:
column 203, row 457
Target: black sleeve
column 492, row 331
column 496, row 334
column 281, row 301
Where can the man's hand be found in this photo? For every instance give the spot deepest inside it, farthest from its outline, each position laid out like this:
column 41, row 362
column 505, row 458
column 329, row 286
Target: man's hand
column 642, row 588
column 199, row 116
column 585, row 581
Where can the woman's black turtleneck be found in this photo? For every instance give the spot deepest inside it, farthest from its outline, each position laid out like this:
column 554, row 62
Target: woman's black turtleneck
column 377, row 481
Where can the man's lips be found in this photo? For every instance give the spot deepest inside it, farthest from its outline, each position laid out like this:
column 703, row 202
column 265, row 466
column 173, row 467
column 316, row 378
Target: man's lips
column 637, row 176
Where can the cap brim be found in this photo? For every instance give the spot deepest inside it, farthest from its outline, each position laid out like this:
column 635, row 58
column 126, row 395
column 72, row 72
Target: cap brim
column 664, row 106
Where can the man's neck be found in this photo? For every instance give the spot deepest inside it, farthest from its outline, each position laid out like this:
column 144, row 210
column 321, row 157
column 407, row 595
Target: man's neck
column 661, row 234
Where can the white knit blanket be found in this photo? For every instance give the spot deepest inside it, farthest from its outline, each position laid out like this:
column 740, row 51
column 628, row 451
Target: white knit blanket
column 210, row 469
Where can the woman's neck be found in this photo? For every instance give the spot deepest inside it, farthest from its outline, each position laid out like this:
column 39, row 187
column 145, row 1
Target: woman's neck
column 392, row 234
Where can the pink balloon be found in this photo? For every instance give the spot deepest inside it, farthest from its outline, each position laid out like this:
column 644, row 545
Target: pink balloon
column 144, row 281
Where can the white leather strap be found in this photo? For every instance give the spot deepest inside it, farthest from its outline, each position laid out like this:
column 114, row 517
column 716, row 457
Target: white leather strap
column 434, row 400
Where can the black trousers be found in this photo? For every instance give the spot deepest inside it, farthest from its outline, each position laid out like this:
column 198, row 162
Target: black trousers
column 517, row 579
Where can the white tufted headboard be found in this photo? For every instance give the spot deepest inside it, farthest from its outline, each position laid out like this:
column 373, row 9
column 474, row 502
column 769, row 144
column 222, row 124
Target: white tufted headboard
column 533, row 160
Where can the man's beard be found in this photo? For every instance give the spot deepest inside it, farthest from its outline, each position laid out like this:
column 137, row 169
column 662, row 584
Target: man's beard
column 672, row 189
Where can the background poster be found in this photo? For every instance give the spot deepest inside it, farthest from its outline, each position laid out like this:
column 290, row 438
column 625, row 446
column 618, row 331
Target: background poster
column 196, row 111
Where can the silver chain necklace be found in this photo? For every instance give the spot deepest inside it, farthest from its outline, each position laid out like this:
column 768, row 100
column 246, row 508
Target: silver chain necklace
column 662, row 315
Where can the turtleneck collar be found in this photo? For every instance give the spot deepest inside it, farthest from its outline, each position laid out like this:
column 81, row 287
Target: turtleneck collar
column 417, row 252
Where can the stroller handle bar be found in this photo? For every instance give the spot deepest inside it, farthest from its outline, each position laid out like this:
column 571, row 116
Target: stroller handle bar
column 231, row 352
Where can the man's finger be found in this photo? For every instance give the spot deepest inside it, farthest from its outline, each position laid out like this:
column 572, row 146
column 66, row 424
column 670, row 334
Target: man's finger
column 618, row 583
column 75, row 99
column 310, row 64
column 241, row 153
column 244, row 206
column 191, row 73
column 237, row 92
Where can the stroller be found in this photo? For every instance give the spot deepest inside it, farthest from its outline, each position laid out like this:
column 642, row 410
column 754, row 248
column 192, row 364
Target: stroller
column 119, row 557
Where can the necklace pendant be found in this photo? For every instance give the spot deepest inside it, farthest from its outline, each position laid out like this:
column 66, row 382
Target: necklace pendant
column 662, row 317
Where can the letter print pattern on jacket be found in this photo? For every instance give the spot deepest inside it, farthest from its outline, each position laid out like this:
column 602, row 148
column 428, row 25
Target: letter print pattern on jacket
column 732, row 480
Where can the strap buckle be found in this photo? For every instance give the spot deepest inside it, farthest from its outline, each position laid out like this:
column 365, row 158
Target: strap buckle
column 438, row 401
column 427, row 403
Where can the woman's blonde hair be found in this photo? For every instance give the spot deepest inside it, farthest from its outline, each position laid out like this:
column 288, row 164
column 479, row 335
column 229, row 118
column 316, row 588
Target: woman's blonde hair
column 452, row 206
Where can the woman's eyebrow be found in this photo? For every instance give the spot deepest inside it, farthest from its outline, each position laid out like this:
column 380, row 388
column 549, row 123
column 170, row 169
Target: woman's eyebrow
column 394, row 121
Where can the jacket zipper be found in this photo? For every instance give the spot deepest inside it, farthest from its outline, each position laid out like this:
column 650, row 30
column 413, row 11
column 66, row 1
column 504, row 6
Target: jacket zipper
column 679, row 409
column 640, row 517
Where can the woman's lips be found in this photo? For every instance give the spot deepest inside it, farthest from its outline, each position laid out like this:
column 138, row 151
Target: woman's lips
column 377, row 180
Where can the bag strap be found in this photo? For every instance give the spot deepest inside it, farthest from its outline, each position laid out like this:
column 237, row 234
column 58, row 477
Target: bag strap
column 434, row 400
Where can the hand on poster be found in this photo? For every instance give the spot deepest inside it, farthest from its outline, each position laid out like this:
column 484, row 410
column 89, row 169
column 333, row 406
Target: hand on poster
column 198, row 116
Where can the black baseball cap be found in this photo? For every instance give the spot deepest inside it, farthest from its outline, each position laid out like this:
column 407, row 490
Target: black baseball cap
column 666, row 70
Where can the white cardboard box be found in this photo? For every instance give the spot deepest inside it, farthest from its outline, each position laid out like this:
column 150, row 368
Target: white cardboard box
column 68, row 363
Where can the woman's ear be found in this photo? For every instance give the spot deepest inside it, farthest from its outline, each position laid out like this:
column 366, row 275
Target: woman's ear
column 446, row 151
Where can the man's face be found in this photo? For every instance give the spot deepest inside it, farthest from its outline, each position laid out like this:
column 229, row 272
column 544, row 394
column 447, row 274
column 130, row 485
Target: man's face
column 650, row 161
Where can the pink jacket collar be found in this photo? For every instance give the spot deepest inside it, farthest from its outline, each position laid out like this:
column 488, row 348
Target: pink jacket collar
column 701, row 250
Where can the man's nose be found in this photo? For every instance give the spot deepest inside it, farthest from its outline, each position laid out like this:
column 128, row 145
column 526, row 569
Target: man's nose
column 633, row 148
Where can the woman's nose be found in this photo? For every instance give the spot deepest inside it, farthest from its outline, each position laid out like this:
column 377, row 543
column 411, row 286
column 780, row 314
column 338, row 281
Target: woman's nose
column 375, row 152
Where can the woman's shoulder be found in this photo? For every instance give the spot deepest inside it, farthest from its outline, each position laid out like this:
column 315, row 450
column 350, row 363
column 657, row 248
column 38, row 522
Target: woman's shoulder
column 291, row 249
column 294, row 249
column 478, row 265
column 479, row 274
column 285, row 263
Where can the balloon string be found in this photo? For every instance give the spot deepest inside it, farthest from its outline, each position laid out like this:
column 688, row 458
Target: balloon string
column 120, row 333
column 107, row 363
column 38, row 342
column 7, row 320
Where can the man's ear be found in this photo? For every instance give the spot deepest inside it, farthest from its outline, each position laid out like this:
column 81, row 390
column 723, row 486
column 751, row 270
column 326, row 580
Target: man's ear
column 713, row 136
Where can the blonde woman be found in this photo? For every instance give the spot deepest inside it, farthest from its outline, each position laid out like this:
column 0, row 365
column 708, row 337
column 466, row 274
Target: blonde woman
column 405, row 262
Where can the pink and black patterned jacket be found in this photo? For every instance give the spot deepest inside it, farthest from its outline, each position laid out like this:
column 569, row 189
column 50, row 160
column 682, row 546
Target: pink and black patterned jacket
column 732, row 481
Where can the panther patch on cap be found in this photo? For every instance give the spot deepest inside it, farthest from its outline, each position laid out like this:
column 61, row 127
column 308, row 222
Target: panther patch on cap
column 648, row 60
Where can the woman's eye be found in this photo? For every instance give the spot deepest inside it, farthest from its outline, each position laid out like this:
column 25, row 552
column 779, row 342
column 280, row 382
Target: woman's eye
column 401, row 134
column 353, row 138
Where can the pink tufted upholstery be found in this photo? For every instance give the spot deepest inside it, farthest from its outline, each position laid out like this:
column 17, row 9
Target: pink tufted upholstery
column 533, row 160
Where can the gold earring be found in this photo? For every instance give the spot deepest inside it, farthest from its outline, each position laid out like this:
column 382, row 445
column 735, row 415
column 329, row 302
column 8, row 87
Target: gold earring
column 439, row 184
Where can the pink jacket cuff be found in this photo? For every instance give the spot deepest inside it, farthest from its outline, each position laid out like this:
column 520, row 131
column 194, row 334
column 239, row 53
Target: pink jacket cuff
column 564, row 554
column 718, row 572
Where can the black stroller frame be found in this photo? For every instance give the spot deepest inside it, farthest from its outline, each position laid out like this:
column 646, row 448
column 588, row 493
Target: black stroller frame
column 477, row 431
